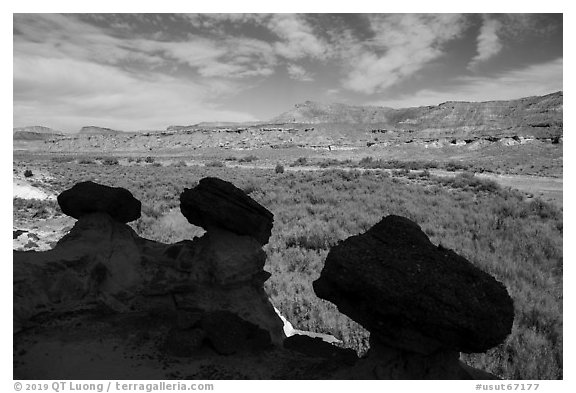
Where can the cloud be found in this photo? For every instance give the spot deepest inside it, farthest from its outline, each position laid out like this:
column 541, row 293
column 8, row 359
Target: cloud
column 67, row 36
column 298, row 73
column 402, row 45
column 538, row 79
column 488, row 42
column 499, row 30
column 295, row 36
column 229, row 58
column 72, row 93
column 297, row 39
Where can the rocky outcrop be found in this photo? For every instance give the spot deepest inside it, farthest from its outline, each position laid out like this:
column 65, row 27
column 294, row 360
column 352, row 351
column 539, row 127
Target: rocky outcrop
column 106, row 303
column 94, row 130
column 311, row 112
column 89, row 197
column 214, row 283
column 423, row 304
column 217, row 203
column 35, row 133
column 540, row 116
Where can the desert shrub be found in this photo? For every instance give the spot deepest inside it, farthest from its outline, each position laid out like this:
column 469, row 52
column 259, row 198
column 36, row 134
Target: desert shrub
column 110, row 161
column 62, row 159
column 149, row 160
column 249, row 158
column 28, row 173
column 311, row 238
column 413, row 165
column 544, row 210
column 302, row 161
column 251, row 186
column 36, row 208
column 151, row 210
column 453, row 166
column 333, row 162
column 279, row 168
column 401, row 172
column 33, row 204
column 366, row 161
column 467, row 180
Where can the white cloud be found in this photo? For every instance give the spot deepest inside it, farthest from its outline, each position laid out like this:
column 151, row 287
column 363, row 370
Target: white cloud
column 71, row 93
column 403, row 44
column 538, row 79
column 297, row 38
column 232, row 57
column 59, row 36
column 488, row 42
column 54, row 35
column 298, row 73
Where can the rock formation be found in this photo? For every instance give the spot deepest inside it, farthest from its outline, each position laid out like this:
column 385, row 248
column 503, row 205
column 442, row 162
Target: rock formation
column 540, row 116
column 211, row 288
column 89, row 197
column 215, row 202
column 534, row 122
column 33, row 133
column 94, row 130
column 422, row 304
column 106, row 303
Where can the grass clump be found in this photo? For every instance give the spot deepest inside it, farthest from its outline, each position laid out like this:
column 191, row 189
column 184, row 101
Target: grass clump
column 110, row 161
column 250, row 158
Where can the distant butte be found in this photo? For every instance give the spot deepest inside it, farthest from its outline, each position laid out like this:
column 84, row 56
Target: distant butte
column 538, row 111
column 94, row 130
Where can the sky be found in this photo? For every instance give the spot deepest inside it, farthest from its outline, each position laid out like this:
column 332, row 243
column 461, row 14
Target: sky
column 148, row 71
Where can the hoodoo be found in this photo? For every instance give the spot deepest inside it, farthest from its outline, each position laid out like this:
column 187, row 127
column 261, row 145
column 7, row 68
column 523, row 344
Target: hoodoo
column 423, row 304
column 155, row 310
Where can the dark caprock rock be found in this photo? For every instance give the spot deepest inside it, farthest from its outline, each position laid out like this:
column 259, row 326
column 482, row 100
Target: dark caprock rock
column 89, row 197
column 413, row 295
column 218, row 203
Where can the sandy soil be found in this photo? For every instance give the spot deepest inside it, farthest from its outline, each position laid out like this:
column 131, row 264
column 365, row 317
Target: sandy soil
column 23, row 189
column 549, row 189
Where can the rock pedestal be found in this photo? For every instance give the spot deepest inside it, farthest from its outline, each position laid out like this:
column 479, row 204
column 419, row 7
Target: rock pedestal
column 417, row 299
column 103, row 264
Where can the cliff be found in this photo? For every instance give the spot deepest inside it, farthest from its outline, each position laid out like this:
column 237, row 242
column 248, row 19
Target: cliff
column 32, row 133
column 536, row 116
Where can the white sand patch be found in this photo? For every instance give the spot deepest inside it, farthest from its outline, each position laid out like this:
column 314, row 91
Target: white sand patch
column 290, row 331
column 22, row 189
